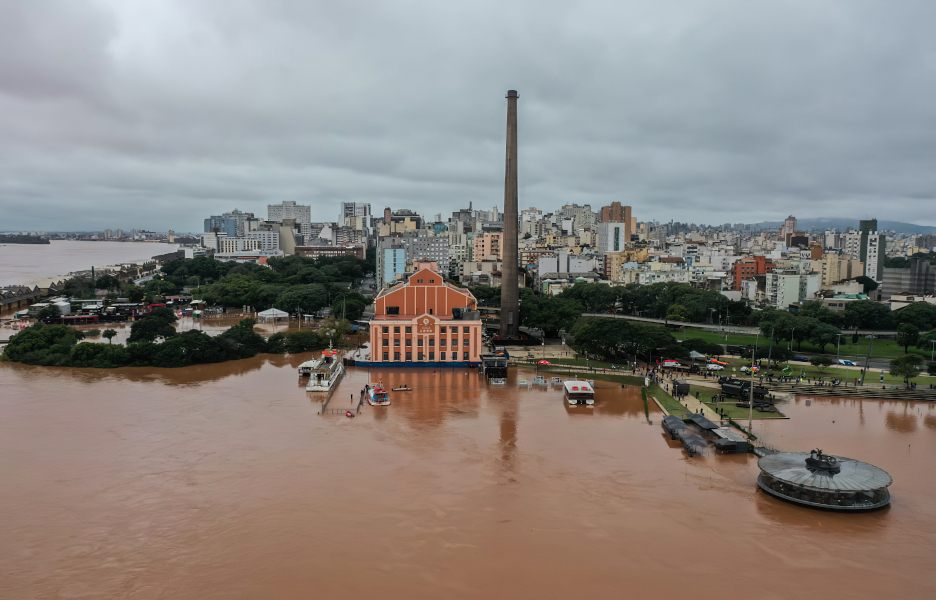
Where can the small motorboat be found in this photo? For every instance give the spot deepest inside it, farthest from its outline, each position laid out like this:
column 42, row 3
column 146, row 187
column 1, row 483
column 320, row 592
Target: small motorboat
column 404, row 388
column 498, row 381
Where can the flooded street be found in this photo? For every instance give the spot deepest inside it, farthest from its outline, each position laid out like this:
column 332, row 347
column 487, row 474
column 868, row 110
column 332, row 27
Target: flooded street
column 222, row 481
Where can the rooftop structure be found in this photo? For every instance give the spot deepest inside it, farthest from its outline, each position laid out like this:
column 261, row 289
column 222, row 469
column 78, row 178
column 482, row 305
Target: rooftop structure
column 824, row 481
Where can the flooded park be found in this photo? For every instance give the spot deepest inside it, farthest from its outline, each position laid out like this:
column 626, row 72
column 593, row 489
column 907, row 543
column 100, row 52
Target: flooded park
column 223, row 481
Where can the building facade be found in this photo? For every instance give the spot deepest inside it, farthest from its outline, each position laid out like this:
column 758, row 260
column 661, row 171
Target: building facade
column 612, row 237
column 300, row 213
column 425, row 322
column 746, row 268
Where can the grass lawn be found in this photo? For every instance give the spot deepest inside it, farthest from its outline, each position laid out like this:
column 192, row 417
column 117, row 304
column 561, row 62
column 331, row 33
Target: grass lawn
column 580, row 362
column 873, row 377
column 669, row 403
column 731, row 411
column 886, row 349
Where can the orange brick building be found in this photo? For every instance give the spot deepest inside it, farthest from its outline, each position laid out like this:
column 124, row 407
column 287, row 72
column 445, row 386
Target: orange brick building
column 425, row 322
column 749, row 267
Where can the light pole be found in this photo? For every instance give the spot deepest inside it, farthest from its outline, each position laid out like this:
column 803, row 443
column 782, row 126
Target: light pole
column 933, row 349
column 711, row 318
column 750, row 420
column 838, row 347
column 791, row 338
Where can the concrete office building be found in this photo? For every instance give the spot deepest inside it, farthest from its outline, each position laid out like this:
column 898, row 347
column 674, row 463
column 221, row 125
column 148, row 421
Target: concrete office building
column 917, row 279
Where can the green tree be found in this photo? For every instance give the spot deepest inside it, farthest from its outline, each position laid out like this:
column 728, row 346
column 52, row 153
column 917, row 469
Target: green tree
column 158, row 287
column 109, row 334
column 677, row 312
column 487, row 295
column 107, row 282
column 49, row 312
column 821, row 362
column 307, row 299
column 908, row 335
column 241, row 341
column 618, row 340
column 134, row 293
column 823, row 334
column 921, row 314
column 349, row 304
column 594, row 297
column 157, row 324
column 906, row 367
column 549, row 313
column 869, row 284
column 866, row 314
column 817, row 310
column 47, row 345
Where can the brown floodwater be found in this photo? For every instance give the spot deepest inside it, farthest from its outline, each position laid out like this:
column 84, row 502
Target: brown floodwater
column 222, row 481
column 39, row 264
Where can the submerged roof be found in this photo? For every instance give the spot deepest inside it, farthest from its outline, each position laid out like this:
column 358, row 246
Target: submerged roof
column 853, row 475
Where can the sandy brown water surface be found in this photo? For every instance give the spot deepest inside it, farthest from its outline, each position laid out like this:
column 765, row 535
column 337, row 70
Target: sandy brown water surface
column 39, row 264
column 222, row 481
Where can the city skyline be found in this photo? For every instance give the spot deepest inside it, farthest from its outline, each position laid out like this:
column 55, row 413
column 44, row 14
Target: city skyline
column 703, row 114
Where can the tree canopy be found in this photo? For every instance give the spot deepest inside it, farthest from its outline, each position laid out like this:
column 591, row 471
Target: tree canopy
column 906, row 367
column 619, row 339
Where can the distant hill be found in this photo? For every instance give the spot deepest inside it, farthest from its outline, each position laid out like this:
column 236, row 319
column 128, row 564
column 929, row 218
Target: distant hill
column 824, row 223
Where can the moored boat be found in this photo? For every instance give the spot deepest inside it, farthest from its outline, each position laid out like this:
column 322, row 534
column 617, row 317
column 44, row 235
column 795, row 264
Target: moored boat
column 377, row 395
column 579, row 392
column 324, row 373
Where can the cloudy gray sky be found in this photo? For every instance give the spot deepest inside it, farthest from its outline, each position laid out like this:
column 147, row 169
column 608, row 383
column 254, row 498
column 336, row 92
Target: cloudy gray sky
column 154, row 115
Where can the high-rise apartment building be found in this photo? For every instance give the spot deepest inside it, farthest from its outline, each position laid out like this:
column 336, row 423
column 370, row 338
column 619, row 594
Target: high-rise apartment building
column 868, row 246
column 300, row 213
column 612, row 237
column 487, row 246
column 789, row 226
column 231, row 223
column 615, row 213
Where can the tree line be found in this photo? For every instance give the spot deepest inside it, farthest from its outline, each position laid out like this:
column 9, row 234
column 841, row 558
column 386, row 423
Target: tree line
column 292, row 283
column 155, row 342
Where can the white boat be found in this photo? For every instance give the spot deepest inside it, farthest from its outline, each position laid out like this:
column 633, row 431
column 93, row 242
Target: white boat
column 539, row 380
column 557, row 380
column 579, row 392
column 377, row 395
column 498, row 381
column 324, row 373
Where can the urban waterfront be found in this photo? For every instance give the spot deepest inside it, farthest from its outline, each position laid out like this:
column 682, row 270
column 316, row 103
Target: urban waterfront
column 38, row 264
column 222, row 481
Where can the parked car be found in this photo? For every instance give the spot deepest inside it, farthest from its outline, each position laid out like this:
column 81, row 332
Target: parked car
column 714, row 367
column 846, row 363
column 750, row 369
column 801, row 358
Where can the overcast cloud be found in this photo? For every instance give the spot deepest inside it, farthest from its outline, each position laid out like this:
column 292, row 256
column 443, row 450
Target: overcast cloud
column 156, row 114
